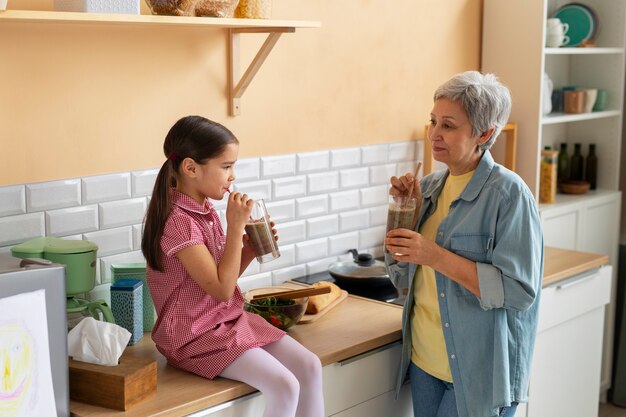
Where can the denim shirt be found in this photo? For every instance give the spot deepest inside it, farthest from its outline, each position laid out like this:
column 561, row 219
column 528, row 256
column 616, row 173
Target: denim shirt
column 489, row 339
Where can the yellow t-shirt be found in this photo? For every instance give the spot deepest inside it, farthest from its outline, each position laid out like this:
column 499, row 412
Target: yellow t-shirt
column 429, row 347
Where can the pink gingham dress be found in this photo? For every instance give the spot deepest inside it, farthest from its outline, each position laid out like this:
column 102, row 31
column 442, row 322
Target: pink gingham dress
column 195, row 331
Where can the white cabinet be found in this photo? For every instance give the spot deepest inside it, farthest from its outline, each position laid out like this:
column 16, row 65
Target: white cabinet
column 565, row 375
column 362, row 386
column 513, row 49
column 588, row 223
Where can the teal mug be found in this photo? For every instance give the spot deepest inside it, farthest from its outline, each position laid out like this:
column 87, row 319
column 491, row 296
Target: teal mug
column 601, row 100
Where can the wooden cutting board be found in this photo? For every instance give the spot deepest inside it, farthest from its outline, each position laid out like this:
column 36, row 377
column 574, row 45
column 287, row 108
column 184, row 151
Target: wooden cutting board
column 309, row 318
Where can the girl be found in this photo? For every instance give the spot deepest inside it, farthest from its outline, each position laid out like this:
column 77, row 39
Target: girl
column 192, row 273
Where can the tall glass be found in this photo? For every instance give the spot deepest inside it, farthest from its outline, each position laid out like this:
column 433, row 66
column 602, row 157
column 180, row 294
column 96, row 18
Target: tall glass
column 260, row 233
column 401, row 212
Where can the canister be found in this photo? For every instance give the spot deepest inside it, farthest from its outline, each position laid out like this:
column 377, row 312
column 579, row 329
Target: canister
column 548, row 176
column 127, row 306
column 137, row 270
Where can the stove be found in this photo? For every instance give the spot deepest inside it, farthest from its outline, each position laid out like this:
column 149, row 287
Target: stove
column 383, row 292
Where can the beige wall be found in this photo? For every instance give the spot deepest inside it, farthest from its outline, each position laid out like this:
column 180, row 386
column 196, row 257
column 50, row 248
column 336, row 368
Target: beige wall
column 87, row 99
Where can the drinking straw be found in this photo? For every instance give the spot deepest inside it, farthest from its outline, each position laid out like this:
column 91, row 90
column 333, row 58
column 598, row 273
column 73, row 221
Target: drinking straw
column 412, row 187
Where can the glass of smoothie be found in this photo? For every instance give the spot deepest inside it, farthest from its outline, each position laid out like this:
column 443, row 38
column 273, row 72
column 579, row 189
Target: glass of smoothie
column 259, row 231
column 401, row 212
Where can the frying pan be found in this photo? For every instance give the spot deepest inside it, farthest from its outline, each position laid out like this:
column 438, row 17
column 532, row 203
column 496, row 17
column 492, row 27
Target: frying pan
column 362, row 270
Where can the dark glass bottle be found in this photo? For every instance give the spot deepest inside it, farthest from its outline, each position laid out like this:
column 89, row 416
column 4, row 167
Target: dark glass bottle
column 591, row 168
column 576, row 164
column 563, row 164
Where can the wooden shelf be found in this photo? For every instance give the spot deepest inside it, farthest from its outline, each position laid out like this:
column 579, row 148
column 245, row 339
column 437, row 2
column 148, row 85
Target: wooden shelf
column 235, row 27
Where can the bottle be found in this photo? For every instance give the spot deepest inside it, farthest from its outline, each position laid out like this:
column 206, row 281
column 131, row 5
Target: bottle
column 563, row 167
column 547, row 175
column 591, row 169
column 576, row 164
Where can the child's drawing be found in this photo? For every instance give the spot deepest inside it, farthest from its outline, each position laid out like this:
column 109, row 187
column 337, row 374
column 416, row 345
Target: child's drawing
column 25, row 377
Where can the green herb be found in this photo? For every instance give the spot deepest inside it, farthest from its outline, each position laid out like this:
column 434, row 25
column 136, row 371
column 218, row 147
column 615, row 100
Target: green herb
column 280, row 313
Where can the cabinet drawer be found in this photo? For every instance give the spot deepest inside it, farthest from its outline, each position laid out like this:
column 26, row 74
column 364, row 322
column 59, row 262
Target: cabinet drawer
column 383, row 405
column 359, row 379
column 573, row 297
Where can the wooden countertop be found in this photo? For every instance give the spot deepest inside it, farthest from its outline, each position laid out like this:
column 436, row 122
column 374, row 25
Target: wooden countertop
column 355, row 326
column 560, row 264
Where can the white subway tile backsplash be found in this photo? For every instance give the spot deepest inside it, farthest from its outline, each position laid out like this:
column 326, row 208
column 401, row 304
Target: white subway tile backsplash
column 378, row 215
column 344, row 200
column 255, row 281
column 402, row 151
column 287, row 258
column 311, row 250
column 274, row 166
column 52, row 195
column 255, row 190
column 281, row 211
column 320, row 265
column 220, row 204
column 137, row 233
column 107, row 261
column 313, row 161
column 373, row 196
column 252, row 269
column 12, row 200
column 122, row 213
column 289, row 187
column 405, row 167
column 323, row 182
column 323, row 203
column 340, row 244
column 248, row 169
column 17, row 229
column 112, row 241
column 281, row 275
column 419, row 150
column 142, row 182
column 381, row 174
column 68, row 221
column 354, row 220
column 340, row 158
column 311, row 206
column 375, row 154
column 291, row 232
column 106, row 188
column 372, row 237
column 322, row 226
column 356, row 177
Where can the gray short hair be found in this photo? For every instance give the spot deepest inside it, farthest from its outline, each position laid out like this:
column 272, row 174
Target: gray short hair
column 486, row 101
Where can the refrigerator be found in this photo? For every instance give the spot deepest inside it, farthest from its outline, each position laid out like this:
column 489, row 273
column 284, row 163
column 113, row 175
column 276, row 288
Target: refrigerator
column 18, row 277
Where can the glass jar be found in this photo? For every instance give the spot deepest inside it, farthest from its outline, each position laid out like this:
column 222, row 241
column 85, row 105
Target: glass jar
column 548, row 176
column 254, row 9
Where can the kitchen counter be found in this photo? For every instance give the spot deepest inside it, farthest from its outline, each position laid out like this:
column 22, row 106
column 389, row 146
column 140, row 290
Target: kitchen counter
column 355, row 326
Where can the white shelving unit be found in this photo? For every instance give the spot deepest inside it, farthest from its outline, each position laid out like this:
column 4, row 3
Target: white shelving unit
column 513, row 49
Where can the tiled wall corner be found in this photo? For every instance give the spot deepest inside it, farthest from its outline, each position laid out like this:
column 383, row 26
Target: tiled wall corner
column 323, row 203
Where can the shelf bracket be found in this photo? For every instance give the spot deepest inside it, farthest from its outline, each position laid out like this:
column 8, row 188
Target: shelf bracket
column 237, row 85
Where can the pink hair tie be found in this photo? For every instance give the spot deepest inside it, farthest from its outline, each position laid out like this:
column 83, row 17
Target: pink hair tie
column 173, row 156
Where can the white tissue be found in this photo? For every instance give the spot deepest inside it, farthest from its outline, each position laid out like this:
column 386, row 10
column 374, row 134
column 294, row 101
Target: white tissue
column 97, row 342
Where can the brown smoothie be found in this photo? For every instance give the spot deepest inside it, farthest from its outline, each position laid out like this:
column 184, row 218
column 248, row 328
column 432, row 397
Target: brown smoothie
column 261, row 238
column 400, row 217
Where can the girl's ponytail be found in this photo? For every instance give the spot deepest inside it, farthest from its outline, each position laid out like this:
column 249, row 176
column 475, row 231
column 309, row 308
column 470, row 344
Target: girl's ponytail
column 156, row 216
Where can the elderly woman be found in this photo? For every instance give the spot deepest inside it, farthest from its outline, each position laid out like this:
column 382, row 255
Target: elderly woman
column 472, row 269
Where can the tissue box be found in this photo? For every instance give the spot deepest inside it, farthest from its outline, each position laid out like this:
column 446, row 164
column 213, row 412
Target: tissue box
column 137, row 271
column 119, row 387
column 98, row 6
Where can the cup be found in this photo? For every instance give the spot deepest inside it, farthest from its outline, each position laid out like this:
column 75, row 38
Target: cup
column 574, row 101
column 590, row 99
column 259, row 231
column 401, row 212
column 601, row 99
column 556, row 40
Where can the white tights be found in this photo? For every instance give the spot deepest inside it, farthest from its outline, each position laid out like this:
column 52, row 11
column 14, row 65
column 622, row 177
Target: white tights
column 288, row 375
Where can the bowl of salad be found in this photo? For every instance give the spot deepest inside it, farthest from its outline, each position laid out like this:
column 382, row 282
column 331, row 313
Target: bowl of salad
column 280, row 313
